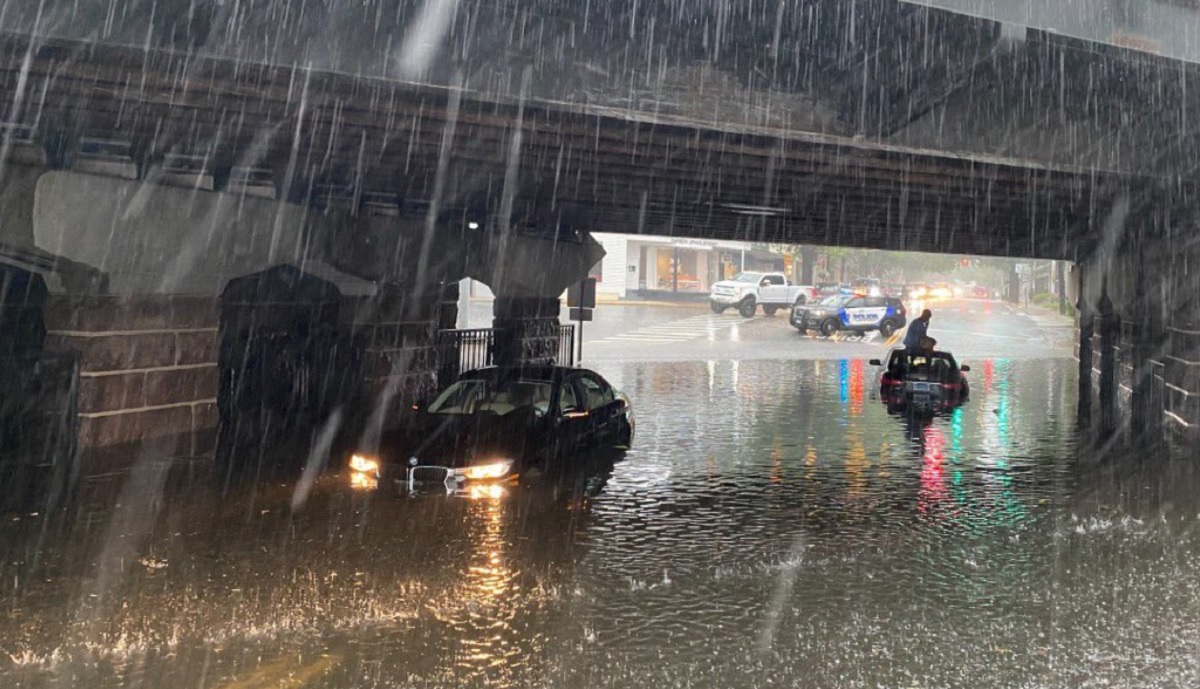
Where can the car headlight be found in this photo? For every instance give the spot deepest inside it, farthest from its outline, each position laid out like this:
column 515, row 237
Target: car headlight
column 486, row 471
column 366, row 465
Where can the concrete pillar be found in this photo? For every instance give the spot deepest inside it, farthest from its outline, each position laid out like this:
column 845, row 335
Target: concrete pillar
column 528, row 276
column 38, row 418
column 1145, row 350
column 400, row 328
column 527, row 330
column 1087, row 325
column 1110, row 329
column 290, row 368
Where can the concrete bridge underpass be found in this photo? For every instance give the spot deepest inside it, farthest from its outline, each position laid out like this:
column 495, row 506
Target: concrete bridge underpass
column 189, row 232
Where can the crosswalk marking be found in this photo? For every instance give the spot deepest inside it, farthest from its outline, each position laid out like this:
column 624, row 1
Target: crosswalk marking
column 682, row 330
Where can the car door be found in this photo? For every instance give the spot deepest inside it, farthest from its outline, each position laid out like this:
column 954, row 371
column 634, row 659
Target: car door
column 601, row 403
column 873, row 311
column 773, row 289
column 849, row 309
column 572, row 414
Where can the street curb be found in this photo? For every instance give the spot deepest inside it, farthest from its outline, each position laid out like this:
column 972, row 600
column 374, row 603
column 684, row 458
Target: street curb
column 1044, row 314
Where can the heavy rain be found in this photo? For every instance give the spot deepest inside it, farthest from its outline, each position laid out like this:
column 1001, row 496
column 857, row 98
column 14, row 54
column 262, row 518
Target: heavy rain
column 569, row 343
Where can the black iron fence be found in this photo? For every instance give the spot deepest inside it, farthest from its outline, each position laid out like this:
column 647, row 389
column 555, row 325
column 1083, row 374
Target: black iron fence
column 463, row 350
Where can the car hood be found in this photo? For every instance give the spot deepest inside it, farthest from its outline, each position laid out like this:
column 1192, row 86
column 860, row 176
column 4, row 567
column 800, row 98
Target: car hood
column 809, row 308
column 731, row 283
column 456, row 441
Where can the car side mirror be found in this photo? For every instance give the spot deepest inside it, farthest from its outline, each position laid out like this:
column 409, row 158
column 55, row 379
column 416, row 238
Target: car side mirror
column 574, row 413
column 876, row 362
column 965, row 369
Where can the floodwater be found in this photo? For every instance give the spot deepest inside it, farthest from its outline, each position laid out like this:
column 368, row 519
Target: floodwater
column 774, row 527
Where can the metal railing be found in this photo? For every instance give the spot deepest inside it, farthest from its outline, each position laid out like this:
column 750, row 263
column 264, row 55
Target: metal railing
column 463, row 350
column 459, row 351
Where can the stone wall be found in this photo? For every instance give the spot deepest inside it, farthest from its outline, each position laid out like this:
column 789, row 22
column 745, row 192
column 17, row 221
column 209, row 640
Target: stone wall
column 527, row 330
column 401, row 328
column 147, row 369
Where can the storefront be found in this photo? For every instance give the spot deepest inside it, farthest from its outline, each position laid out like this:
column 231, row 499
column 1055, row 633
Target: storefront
column 650, row 266
column 678, row 268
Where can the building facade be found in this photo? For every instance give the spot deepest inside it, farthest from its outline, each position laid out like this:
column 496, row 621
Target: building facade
column 648, row 266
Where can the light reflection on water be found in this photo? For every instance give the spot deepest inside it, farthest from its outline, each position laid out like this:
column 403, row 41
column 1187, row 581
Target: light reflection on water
column 968, row 549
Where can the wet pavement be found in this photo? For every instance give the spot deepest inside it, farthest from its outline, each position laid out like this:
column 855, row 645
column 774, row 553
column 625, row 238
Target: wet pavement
column 968, row 327
column 774, row 526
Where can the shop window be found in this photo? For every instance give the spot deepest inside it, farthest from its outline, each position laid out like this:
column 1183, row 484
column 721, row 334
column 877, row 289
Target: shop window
column 682, row 267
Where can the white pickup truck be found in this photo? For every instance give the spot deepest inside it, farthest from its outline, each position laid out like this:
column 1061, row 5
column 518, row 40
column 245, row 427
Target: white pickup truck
column 747, row 291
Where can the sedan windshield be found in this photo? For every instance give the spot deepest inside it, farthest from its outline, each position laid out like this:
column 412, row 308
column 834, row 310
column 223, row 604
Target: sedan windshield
column 837, row 300
column 940, row 364
column 747, row 277
column 479, row 396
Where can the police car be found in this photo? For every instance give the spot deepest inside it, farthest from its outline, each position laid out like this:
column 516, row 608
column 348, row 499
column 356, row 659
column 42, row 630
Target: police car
column 858, row 313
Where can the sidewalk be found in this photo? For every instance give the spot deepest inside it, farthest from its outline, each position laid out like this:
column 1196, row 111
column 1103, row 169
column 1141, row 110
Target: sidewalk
column 610, row 300
column 1046, row 318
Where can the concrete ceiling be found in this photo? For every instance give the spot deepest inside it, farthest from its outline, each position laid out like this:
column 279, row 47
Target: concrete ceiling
column 892, row 126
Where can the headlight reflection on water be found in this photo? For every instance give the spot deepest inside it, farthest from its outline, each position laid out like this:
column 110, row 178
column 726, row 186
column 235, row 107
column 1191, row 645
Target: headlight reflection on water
column 486, row 492
column 362, row 481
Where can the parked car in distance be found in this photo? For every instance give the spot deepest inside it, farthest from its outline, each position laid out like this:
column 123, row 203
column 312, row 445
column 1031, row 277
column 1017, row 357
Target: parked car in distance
column 870, row 287
column 940, row 291
column 922, row 380
column 494, row 424
column 748, row 291
column 827, row 289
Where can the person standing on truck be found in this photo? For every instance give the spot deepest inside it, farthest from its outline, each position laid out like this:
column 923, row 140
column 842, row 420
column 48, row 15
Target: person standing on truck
column 917, row 332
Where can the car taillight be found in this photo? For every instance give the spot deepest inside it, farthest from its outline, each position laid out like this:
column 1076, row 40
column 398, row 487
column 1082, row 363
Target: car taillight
column 949, row 386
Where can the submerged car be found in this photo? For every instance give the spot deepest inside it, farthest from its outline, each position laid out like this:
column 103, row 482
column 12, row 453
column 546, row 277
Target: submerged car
column 856, row 313
column 930, row 380
column 496, row 423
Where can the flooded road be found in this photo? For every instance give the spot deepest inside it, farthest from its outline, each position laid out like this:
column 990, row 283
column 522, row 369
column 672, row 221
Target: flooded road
column 775, row 526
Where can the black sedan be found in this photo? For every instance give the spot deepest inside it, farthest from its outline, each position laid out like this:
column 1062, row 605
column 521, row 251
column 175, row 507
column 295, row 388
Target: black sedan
column 922, row 380
column 494, row 424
